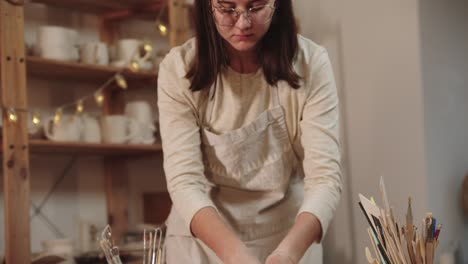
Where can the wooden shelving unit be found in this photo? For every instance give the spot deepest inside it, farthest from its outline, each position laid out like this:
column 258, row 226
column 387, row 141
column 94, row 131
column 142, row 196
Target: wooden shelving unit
column 108, row 150
column 16, row 67
column 146, row 9
column 46, row 68
column 40, row 146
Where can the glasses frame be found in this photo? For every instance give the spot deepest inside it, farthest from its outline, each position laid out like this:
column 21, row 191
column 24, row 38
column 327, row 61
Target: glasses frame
column 248, row 13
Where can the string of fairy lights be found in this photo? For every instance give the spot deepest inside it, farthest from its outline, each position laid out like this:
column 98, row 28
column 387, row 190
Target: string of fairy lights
column 134, row 65
column 98, row 95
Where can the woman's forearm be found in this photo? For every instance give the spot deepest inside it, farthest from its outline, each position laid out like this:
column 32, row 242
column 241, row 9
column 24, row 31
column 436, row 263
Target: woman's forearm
column 208, row 226
column 305, row 231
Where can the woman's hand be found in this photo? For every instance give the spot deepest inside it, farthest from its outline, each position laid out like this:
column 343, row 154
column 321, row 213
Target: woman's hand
column 305, row 231
column 279, row 258
column 224, row 242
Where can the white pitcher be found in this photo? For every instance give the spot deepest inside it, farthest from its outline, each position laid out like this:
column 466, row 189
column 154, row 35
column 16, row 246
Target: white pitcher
column 69, row 128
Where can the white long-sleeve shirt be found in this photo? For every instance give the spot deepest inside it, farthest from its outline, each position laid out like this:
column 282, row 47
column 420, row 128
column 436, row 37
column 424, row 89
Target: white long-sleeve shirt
column 312, row 119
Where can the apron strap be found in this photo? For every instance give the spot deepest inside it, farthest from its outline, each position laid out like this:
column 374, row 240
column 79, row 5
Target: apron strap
column 275, row 96
column 210, row 103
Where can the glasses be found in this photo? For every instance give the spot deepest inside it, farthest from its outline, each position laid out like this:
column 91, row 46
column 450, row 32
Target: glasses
column 257, row 14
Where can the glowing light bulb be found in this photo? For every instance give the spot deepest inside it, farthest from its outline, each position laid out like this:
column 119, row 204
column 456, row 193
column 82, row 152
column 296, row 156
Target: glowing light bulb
column 79, row 107
column 36, row 119
column 134, row 66
column 58, row 115
column 12, row 116
column 147, row 48
column 99, row 97
column 162, row 29
column 121, row 82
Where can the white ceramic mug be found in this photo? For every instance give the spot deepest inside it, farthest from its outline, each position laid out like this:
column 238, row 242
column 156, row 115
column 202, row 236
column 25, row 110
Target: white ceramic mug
column 128, row 50
column 143, row 134
column 140, row 111
column 95, row 53
column 118, row 129
column 67, row 129
column 91, row 132
column 58, row 43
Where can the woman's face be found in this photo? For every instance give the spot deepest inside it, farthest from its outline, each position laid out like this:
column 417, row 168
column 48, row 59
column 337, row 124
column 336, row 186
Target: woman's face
column 242, row 28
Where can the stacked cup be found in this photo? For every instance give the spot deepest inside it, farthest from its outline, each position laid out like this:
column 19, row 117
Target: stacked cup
column 58, row 43
column 140, row 111
column 128, row 50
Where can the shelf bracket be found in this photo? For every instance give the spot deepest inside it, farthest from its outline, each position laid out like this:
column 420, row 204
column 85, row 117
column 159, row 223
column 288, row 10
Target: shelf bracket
column 16, row 2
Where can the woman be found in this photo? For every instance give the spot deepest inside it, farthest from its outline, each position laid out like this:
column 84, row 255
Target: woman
column 249, row 126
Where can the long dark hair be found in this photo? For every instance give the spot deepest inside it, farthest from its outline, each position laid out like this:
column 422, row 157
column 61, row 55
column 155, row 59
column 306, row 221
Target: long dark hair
column 276, row 50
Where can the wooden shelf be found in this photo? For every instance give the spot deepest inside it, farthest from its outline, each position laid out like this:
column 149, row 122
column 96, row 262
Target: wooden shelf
column 147, row 9
column 85, row 149
column 84, row 72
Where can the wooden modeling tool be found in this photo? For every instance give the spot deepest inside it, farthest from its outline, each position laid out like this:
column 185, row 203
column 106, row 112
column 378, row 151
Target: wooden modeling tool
column 410, row 231
column 370, row 258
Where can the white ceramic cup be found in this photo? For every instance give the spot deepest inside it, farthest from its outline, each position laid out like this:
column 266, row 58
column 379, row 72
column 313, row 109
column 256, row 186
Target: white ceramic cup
column 118, row 129
column 140, row 111
column 143, row 134
column 67, row 129
column 58, row 43
column 95, row 53
column 129, row 49
column 91, row 132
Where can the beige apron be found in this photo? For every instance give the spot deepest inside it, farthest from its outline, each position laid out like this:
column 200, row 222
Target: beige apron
column 257, row 189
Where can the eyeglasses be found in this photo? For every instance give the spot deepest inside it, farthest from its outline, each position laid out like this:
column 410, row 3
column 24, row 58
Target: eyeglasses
column 257, row 14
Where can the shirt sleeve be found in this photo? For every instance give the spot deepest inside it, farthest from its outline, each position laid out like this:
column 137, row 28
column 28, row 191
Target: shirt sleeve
column 180, row 134
column 321, row 143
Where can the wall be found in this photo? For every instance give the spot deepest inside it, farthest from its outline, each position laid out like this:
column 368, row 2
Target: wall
column 321, row 22
column 374, row 47
column 401, row 69
column 384, row 107
column 444, row 34
column 80, row 198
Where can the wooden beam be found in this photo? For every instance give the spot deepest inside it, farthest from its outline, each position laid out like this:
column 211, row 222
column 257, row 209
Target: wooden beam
column 116, row 175
column 115, row 168
column 117, row 195
column 108, row 30
column 178, row 22
column 15, row 140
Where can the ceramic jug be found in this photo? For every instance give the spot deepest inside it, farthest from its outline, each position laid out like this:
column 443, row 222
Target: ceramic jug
column 69, row 128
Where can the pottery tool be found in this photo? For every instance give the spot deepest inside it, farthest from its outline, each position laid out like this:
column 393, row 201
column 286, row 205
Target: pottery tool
column 370, row 258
